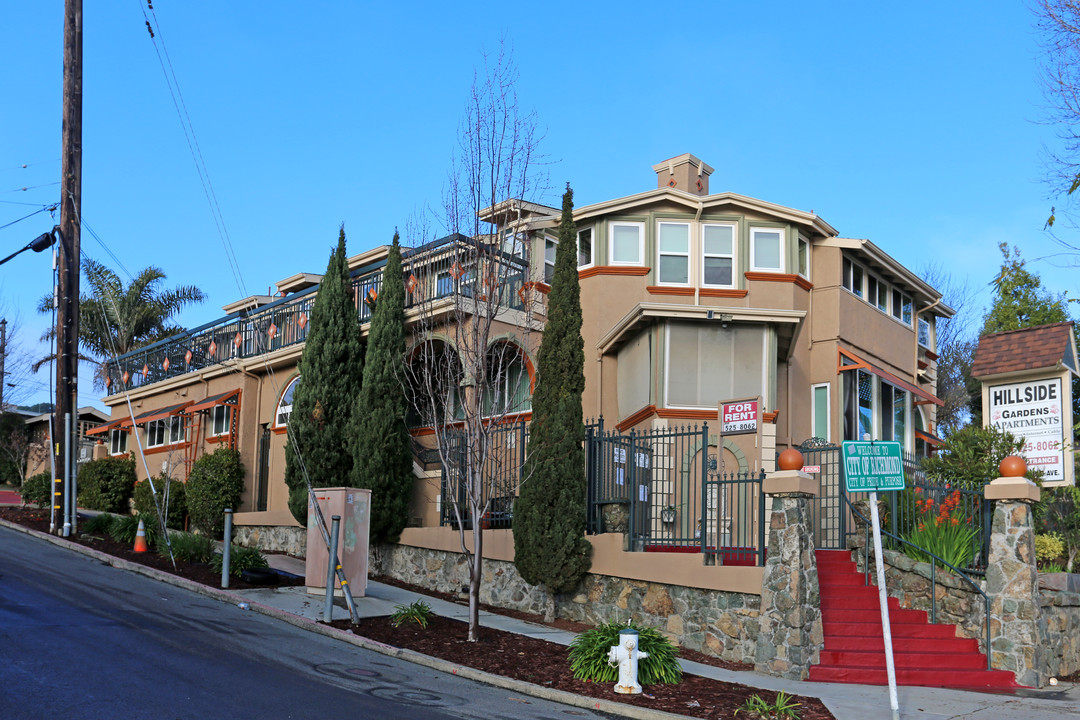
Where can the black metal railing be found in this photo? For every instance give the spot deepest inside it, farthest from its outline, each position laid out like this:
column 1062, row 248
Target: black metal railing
column 499, row 479
column 899, row 541
column 451, row 267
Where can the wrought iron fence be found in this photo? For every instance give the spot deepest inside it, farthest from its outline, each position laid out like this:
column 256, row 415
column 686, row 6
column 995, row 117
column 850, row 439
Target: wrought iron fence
column 445, row 268
column 497, row 482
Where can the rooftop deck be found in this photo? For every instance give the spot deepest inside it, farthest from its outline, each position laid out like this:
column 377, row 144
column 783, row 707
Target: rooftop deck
column 441, row 269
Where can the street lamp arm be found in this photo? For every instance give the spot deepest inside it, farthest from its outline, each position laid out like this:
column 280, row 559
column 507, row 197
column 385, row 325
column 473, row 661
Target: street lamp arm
column 42, row 241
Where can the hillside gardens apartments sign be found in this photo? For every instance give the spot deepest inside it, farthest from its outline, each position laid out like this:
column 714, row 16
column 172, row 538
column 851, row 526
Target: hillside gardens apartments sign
column 1034, row 410
column 868, row 467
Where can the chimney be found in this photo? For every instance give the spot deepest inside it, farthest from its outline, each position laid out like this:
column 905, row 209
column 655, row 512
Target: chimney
column 685, row 172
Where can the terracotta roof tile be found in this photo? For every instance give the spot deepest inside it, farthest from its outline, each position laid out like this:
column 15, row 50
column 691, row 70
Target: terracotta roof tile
column 1017, row 350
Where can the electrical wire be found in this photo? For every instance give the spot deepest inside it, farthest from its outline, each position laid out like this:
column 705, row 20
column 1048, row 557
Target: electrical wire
column 49, row 208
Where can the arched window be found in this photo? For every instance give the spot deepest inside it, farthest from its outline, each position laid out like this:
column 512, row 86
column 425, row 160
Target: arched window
column 284, row 406
column 434, row 376
column 508, row 389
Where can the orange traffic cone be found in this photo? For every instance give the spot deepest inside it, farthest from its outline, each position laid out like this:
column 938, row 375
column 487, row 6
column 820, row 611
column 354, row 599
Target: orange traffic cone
column 140, row 538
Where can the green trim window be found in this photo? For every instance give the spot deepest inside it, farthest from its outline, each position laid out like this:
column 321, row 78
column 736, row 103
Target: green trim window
column 627, row 243
column 804, row 257
column 584, row 248
column 767, row 249
column 673, row 251
column 718, row 255
column 820, row 403
column 550, row 246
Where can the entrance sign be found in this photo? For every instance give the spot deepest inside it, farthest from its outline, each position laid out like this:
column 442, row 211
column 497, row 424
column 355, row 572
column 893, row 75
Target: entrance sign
column 1032, row 410
column 739, row 417
column 873, row 466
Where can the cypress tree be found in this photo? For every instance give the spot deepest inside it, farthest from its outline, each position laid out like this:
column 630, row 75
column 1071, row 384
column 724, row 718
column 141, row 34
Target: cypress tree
column 549, row 516
column 382, row 456
column 331, row 371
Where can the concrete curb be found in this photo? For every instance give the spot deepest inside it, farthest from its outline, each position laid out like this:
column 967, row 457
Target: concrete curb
column 518, row 686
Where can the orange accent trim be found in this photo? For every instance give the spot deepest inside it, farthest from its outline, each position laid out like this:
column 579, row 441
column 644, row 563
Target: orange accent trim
column 886, row 375
column 858, row 362
column 538, row 286
column 720, row 293
column 931, row 355
column 770, row 417
column 666, row 290
column 612, row 270
column 429, row 430
column 780, row 277
column 676, row 414
column 637, row 417
column 279, row 429
column 165, row 448
column 218, row 438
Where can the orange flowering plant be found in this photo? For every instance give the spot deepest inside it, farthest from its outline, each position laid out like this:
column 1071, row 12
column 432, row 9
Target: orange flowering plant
column 942, row 529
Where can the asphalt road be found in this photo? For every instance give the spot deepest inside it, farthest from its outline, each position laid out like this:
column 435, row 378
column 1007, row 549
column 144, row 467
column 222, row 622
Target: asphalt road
column 80, row 640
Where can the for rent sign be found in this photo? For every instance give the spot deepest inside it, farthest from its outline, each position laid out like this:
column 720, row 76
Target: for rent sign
column 739, row 417
column 1033, row 410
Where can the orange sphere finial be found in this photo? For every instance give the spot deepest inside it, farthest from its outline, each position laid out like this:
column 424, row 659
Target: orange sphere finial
column 791, row 459
column 1012, row 466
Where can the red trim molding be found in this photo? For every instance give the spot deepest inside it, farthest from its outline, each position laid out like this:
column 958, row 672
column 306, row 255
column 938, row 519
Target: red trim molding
column 613, row 270
column 721, row 293
column 780, row 277
column 540, row 287
column 666, row 290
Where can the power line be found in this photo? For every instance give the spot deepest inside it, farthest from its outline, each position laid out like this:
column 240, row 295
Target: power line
column 32, row 187
column 50, row 208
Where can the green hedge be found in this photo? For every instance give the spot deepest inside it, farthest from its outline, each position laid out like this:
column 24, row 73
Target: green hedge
column 216, row 482
column 107, row 484
column 177, row 510
column 37, row 489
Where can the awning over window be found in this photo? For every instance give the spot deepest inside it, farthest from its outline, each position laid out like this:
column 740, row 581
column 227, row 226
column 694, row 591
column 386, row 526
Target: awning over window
column 928, row 437
column 219, row 399
column 160, row 414
column 854, row 362
column 111, row 425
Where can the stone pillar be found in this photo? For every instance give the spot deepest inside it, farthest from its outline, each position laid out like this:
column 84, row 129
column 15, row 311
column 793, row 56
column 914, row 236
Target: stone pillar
column 790, row 636
column 1012, row 581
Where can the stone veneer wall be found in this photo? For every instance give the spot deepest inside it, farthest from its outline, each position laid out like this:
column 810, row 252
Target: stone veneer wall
column 1059, row 631
column 908, row 581
column 273, row 538
column 718, row 623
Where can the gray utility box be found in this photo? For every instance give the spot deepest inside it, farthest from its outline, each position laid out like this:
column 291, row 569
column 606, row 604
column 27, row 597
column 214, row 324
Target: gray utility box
column 354, row 507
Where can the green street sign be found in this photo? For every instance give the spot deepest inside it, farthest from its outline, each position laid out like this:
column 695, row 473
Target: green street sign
column 873, row 466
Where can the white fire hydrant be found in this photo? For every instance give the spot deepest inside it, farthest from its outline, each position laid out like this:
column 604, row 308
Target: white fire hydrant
column 626, row 656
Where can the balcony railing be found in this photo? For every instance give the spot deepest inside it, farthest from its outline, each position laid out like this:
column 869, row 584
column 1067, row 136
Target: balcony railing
column 441, row 269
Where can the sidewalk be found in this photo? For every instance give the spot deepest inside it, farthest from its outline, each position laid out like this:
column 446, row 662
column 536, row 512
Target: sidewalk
column 847, row 702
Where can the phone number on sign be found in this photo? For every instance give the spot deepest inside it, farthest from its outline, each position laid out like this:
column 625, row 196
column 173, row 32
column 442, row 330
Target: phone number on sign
column 1042, row 445
column 730, row 427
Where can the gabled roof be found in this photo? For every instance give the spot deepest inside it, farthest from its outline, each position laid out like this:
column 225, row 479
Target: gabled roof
column 708, row 202
column 1044, row 346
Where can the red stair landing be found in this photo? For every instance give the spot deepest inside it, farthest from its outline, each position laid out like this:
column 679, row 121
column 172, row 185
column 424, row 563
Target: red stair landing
column 924, row 654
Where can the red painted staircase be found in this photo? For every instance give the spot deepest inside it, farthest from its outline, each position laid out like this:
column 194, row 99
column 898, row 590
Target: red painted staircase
column 854, row 652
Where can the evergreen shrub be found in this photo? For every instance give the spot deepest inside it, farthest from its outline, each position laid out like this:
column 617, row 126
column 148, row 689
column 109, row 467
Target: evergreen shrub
column 107, row 484
column 216, row 482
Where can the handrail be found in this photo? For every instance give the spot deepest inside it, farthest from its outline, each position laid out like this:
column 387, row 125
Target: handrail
column 933, row 574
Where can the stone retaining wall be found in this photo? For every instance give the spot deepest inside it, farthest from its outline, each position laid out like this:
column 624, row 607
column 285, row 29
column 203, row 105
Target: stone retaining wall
column 908, row 581
column 1059, row 630
column 273, row 538
column 723, row 624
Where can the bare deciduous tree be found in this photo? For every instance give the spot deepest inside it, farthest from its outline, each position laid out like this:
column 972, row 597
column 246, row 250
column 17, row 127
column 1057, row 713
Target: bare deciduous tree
column 473, row 311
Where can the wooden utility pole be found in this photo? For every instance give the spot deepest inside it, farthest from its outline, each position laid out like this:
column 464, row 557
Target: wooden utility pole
column 65, row 414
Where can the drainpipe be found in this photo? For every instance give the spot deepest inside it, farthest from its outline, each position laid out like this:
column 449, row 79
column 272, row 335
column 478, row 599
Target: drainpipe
column 599, row 384
column 697, row 224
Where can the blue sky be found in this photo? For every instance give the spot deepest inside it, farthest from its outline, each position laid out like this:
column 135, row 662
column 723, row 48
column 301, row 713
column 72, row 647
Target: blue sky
column 915, row 125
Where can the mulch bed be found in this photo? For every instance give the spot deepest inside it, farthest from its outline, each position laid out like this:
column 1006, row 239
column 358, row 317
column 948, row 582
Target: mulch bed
column 198, row 572
column 498, row 652
column 546, row 664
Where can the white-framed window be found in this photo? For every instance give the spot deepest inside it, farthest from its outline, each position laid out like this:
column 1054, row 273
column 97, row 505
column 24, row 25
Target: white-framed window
column 767, row 249
column 584, row 248
column 550, row 246
column 819, row 396
column 901, row 307
column 118, row 441
column 167, row 431
column 926, row 332
column 853, row 278
column 877, row 292
column 509, row 387
column 718, row 255
column 804, row 257
column 220, row 420
column 284, row 406
column 627, row 243
column 514, row 243
column 673, row 253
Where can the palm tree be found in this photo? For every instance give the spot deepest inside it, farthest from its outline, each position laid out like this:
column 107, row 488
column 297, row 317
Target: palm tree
column 114, row 319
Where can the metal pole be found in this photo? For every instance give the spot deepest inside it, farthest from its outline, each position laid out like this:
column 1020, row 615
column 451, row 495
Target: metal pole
column 225, row 550
column 883, row 598
column 3, row 354
column 67, row 477
column 331, row 566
